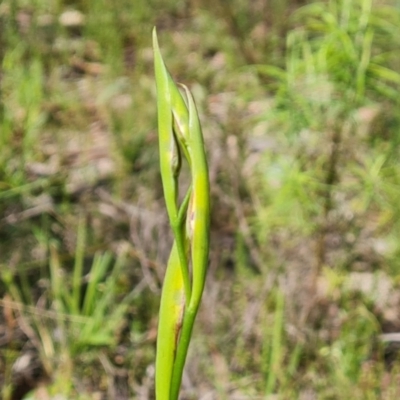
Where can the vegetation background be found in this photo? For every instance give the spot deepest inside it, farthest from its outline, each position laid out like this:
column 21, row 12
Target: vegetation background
column 301, row 114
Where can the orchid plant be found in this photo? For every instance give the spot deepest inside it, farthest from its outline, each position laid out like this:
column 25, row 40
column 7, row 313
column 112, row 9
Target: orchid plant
column 180, row 135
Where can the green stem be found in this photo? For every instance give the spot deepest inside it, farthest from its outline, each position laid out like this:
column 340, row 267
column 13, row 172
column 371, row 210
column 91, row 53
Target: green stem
column 178, row 231
column 183, row 346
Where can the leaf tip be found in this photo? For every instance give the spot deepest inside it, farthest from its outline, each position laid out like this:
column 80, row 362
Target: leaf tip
column 155, row 40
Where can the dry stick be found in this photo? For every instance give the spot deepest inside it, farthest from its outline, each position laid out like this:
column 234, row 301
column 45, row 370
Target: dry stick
column 331, row 178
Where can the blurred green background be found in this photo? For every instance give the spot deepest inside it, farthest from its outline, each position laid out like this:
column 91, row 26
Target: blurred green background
column 300, row 107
